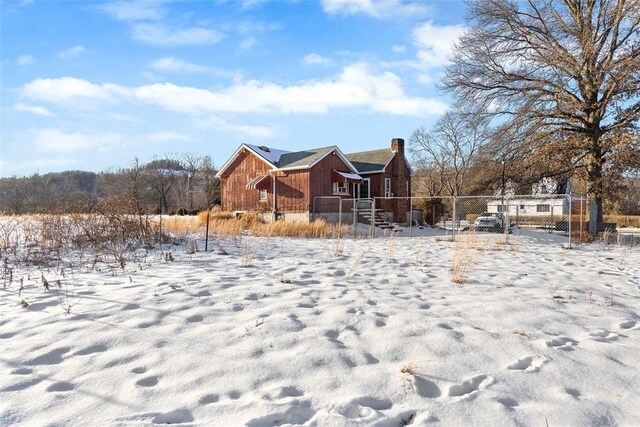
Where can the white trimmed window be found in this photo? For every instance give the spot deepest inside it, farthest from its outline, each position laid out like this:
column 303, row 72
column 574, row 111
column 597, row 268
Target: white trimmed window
column 263, row 195
column 340, row 188
column 543, row 208
column 387, row 188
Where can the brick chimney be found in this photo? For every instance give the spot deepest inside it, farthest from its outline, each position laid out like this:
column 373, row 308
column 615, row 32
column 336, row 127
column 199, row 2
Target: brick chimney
column 397, row 145
column 401, row 207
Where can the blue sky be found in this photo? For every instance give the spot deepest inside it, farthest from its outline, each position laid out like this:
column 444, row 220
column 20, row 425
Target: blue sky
column 90, row 84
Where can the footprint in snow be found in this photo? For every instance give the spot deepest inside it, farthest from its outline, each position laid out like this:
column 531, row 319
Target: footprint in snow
column 98, row 348
column 471, row 385
column 363, row 408
column 628, row 324
column 562, row 343
column 529, row 364
column 60, row 387
column 147, row 382
column 603, row 335
column 208, row 399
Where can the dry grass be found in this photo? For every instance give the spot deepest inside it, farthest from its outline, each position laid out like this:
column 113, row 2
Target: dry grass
column 624, row 220
column 465, row 258
column 249, row 249
column 605, row 236
column 180, row 225
column 225, row 224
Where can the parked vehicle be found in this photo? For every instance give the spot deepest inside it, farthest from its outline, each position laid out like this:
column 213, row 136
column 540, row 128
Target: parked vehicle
column 489, row 221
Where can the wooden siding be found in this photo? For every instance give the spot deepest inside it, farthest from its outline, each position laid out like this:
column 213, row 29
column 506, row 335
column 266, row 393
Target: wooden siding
column 321, row 183
column 296, row 189
column 233, row 184
column 292, row 191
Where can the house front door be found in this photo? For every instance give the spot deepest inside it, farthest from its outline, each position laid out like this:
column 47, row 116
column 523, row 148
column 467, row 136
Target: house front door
column 364, row 189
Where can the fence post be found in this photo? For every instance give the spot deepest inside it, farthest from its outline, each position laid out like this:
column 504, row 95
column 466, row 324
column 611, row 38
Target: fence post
column 570, row 217
column 206, row 235
column 453, row 219
column 372, row 221
column 581, row 219
column 410, row 216
column 507, row 221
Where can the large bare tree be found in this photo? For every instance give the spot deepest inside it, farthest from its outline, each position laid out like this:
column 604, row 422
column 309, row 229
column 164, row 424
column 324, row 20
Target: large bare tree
column 558, row 67
column 447, row 151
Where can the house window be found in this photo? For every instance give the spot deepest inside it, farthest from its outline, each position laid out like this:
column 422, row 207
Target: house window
column 387, row 188
column 501, row 208
column 543, row 208
column 543, row 189
column 263, row 195
column 340, row 188
column 521, row 206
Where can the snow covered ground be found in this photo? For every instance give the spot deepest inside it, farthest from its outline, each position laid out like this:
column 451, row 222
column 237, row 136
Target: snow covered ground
column 329, row 333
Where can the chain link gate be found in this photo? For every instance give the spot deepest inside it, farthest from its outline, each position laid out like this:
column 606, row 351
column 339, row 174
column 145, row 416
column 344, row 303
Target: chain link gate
column 344, row 211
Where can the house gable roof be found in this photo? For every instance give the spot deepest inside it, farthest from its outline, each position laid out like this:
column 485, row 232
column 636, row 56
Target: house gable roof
column 371, row 161
column 305, row 158
column 257, row 151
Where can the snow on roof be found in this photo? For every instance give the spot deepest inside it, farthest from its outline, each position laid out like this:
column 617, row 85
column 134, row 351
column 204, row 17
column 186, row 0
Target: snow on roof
column 272, row 155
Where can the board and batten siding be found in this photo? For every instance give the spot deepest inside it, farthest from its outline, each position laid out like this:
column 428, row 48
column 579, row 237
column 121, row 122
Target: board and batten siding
column 321, row 183
column 233, row 184
column 292, row 191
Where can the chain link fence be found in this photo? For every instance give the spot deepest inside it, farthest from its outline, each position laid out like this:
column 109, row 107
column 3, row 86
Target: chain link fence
column 542, row 218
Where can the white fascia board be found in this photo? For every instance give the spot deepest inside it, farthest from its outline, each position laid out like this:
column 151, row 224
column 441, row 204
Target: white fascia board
column 235, row 156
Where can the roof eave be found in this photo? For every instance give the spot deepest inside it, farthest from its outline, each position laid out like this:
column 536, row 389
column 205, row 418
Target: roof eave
column 237, row 154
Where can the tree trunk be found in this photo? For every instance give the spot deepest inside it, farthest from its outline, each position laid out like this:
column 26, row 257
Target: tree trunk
column 593, row 162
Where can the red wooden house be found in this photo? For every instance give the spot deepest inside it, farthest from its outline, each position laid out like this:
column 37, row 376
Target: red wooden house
column 286, row 185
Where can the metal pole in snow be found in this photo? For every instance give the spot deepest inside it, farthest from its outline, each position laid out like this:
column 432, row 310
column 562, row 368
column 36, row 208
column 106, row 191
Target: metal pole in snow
column 206, row 235
column 410, row 216
column 570, row 215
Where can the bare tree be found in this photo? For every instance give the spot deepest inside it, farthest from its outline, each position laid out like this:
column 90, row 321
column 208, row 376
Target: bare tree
column 161, row 176
column 449, row 149
column 192, row 164
column 559, row 67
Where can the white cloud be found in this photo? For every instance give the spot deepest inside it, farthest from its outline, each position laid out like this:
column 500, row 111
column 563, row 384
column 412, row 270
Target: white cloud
column 397, row 48
column 166, row 136
column 247, row 43
column 247, row 4
column 137, row 10
column 435, row 42
column 315, row 59
column 70, row 88
column 72, row 52
column 33, row 109
column 255, row 26
column 159, row 35
column 56, row 141
column 251, row 131
column 172, row 64
column 355, row 87
column 26, row 60
column 375, row 8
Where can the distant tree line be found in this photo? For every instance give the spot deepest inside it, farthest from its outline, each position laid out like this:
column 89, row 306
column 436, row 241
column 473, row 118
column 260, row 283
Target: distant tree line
column 170, row 184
